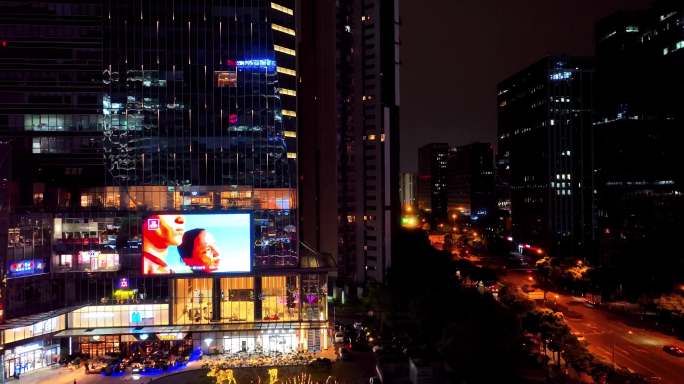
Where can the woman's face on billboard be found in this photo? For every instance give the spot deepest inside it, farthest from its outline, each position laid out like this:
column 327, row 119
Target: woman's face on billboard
column 205, row 250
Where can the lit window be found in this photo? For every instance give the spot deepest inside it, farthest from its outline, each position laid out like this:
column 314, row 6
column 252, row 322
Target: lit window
column 291, row 155
column 280, row 28
column 284, row 50
column 292, row 134
column 225, row 79
column 665, row 51
column 286, row 71
column 631, row 28
column 553, row 122
column 563, row 176
column 371, row 137
column 282, row 9
column 289, row 92
column 347, row 28
column 679, row 45
column 289, row 113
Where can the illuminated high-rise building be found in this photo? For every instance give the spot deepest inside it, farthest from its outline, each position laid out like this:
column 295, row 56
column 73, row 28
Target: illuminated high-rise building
column 432, row 180
column 167, row 139
column 637, row 130
column 544, row 131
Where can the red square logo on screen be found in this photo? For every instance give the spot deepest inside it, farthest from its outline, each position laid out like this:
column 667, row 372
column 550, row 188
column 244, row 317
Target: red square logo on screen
column 152, row 224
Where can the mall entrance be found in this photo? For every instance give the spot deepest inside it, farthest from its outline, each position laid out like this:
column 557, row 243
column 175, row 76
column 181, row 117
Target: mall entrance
column 138, row 345
column 260, row 343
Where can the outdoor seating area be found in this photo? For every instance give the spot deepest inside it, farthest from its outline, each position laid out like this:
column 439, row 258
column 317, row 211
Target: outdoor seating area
column 154, row 363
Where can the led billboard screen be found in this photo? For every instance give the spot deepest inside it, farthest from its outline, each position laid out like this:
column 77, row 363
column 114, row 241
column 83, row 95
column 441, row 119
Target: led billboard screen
column 196, row 243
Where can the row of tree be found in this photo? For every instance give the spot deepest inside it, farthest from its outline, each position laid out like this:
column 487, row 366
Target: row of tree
column 549, row 330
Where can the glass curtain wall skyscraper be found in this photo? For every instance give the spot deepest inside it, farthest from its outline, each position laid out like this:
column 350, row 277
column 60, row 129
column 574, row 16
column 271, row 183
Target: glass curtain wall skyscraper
column 187, row 107
column 200, row 112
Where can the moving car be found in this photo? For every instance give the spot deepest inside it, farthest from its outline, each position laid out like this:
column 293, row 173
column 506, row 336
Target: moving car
column 674, row 350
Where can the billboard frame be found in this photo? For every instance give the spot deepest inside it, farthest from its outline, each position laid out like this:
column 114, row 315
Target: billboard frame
column 250, row 212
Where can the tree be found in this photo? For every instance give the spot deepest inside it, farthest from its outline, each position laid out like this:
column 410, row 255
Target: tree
column 515, row 299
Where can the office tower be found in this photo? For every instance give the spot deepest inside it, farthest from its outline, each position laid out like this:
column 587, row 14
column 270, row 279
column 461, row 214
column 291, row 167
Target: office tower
column 432, row 180
column 470, row 181
column 192, row 221
column 637, row 134
column 544, row 121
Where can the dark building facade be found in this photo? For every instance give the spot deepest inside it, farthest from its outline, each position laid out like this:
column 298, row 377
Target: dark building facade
column 114, row 111
column 367, row 128
column 317, row 137
column 637, row 129
column 470, row 181
column 544, row 125
column 432, row 180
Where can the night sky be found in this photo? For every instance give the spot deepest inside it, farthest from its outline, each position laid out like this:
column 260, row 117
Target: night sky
column 454, row 52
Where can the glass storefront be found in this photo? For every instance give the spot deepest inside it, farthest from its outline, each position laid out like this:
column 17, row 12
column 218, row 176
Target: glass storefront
column 237, row 299
column 315, row 297
column 127, row 345
column 97, row 346
column 275, row 342
column 193, row 301
column 27, row 358
column 280, row 298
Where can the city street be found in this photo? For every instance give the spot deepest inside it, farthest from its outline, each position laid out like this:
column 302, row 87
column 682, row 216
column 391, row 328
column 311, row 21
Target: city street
column 611, row 338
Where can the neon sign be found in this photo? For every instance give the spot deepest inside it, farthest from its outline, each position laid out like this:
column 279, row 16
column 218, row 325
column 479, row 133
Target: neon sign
column 26, row 267
column 256, row 64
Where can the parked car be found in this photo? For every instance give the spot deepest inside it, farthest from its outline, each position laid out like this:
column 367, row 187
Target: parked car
column 339, row 337
column 674, row 350
column 345, row 354
column 375, row 380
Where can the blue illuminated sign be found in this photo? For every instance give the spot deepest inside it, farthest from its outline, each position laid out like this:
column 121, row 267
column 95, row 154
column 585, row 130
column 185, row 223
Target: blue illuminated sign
column 256, row 64
column 561, row 75
column 26, row 267
column 141, row 317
